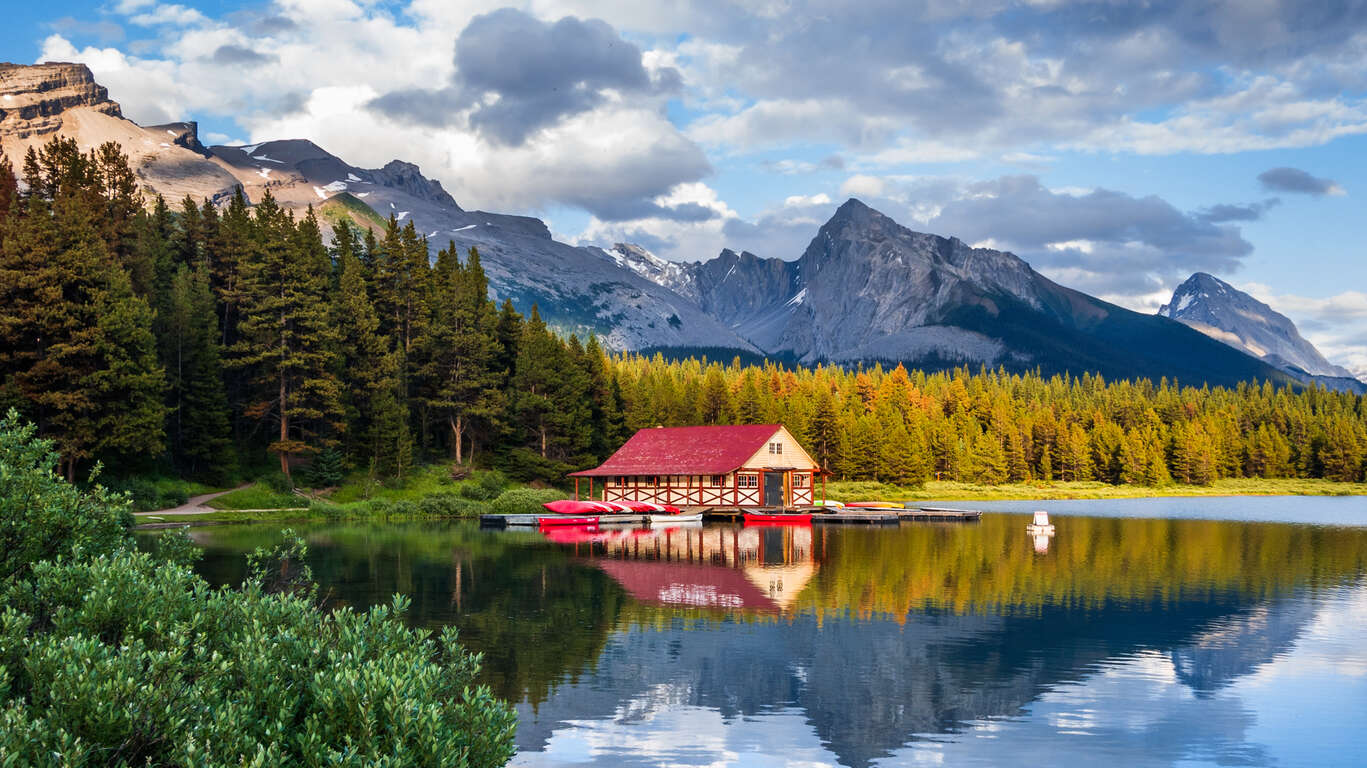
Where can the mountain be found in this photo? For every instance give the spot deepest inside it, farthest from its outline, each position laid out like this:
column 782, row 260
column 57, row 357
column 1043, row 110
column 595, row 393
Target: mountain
column 1223, row 312
column 867, row 288
column 576, row 289
column 45, row 100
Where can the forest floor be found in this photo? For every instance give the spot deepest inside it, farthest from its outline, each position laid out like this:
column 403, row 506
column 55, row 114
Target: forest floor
column 955, row 491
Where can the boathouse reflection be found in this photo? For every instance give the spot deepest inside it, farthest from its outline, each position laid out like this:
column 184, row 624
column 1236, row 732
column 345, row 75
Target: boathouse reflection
column 760, row 568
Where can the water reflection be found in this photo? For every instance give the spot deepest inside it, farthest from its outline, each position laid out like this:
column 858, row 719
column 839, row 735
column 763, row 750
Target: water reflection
column 866, row 646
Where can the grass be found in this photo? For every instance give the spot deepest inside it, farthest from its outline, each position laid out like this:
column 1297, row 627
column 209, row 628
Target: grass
column 954, row 491
column 257, row 497
column 157, row 492
column 427, row 492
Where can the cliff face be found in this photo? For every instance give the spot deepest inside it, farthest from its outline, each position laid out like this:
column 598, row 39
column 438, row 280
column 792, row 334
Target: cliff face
column 33, row 99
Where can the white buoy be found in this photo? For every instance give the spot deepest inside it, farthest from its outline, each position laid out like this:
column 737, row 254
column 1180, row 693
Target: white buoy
column 1040, row 526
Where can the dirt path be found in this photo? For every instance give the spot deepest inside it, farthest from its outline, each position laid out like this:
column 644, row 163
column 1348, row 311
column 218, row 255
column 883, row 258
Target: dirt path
column 197, row 505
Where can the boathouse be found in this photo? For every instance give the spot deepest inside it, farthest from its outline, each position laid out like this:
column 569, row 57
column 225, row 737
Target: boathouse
column 750, row 465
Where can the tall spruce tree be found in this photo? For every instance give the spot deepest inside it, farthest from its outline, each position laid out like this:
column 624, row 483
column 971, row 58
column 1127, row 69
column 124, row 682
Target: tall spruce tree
column 288, row 341
column 460, row 383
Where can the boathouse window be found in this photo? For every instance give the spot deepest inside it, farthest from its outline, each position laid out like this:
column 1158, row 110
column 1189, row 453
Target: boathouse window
column 776, row 449
column 799, row 480
column 718, row 481
column 747, row 481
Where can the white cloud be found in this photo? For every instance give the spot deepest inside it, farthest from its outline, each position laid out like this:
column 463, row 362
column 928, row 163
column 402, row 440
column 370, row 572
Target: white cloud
column 1336, row 325
column 862, row 185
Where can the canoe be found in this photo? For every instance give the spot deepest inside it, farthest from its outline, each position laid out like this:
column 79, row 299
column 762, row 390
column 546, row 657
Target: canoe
column 567, row 520
column 784, row 518
column 572, row 507
column 874, row 505
column 830, row 503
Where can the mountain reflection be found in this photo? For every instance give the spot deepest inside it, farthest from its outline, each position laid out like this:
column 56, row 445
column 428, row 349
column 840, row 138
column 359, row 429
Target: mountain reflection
column 878, row 638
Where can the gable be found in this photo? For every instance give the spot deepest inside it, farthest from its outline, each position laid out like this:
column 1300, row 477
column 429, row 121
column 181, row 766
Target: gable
column 793, row 454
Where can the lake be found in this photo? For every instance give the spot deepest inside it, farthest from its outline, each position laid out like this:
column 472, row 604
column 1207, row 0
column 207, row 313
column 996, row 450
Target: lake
column 1201, row 634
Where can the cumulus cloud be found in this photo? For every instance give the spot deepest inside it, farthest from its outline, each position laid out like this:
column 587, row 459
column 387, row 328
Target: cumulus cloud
column 559, row 69
column 1298, row 181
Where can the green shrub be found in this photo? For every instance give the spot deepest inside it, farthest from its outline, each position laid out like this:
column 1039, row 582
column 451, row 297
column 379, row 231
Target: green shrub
column 114, row 657
column 525, row 501
column 485, row 486
column 278, row 482
column 450, row 505
column 42, row 517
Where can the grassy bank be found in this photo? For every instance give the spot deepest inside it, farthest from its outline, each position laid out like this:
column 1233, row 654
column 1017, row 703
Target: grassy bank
column 952, row 491
column 427, row 492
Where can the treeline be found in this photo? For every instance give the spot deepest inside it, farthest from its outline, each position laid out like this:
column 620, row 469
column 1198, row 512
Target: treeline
column 203, row 340
column 996, row 427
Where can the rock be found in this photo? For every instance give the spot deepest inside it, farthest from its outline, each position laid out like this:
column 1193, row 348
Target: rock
column 33, row 99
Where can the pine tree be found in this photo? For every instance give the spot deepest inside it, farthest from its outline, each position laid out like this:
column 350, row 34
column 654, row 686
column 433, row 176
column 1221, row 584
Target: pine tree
column 377, row 422
column 198, row 405
column 288, row 342
column 715, row 405
column 459, row 381
column 76, row 345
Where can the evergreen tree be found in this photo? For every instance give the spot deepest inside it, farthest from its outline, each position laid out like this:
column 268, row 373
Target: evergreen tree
column 288, row 342
column 460, row 383
column 198, row 405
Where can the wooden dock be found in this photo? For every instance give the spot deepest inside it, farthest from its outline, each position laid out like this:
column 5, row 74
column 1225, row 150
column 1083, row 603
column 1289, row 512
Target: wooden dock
column 854, row 518
column 941, row 514
column 507, row 521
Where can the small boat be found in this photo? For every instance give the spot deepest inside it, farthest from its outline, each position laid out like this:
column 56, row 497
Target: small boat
column 566, row 520
column 829, row 503
column 777, row 518
column 1040, row 525
column 573, row 507
column 873, row 505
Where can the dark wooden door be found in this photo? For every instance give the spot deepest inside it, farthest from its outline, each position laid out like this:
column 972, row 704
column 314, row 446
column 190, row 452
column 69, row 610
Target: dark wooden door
column 773, row 489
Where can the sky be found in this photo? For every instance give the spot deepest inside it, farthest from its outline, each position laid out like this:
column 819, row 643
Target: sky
column 1117, row 147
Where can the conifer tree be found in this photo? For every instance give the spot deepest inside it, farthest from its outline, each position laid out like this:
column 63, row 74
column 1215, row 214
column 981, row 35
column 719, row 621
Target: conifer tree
column 459, row 383
column 377, row 432
column 288, row 342
column 198, row 405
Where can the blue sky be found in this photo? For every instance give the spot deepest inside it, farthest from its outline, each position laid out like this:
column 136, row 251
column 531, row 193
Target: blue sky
column 1117, row 147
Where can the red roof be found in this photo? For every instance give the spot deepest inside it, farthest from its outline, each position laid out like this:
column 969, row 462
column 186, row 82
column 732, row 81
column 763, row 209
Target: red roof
column 715, row 450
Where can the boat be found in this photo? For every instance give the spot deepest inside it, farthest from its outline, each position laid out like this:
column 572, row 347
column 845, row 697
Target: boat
column 671, row 519
column 777, row 518
column 574, row 507
column 829, row 503
column 1040, row 525
column 873, row 505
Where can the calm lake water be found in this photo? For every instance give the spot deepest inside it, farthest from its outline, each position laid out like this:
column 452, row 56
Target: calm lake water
column 1120, row 640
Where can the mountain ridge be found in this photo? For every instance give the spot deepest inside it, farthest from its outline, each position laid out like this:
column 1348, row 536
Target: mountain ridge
column 1227, row 314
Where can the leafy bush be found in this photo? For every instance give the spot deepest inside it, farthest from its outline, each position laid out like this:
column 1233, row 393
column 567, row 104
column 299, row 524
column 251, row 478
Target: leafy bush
column 42, row 517
column 485, row 486
column 276, row 481
column 525, row 501
column 114, row 657
column 450, row 505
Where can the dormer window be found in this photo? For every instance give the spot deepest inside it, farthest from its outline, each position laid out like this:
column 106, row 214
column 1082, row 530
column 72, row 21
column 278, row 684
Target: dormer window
column 776, row 449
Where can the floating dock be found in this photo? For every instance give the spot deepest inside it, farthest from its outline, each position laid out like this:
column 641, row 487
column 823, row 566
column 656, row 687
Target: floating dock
column 506, row 521
column 941, row 514
column 847, row 516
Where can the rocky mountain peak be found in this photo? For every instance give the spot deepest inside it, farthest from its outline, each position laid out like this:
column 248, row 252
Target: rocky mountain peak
column 33, row 98
column 407, row 177
column 1223, row 312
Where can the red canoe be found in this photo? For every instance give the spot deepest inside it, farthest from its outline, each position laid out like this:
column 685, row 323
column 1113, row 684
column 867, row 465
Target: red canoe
column 761, row 518
column 572, row 507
